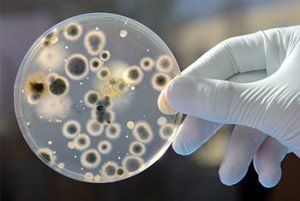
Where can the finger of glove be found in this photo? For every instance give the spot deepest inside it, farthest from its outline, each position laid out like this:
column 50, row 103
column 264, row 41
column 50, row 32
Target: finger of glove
column 242, row 147
column 267, row 162
column 192, row 134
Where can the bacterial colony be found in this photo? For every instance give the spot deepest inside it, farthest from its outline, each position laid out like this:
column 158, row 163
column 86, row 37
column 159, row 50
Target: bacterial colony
column 86, row 97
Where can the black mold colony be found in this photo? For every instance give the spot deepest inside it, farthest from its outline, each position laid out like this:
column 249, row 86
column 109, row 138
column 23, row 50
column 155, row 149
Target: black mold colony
column 113, row 130
column 132, row 164
column 103, row 73
column 91, row 158
column 104, row 147
column 82, row 141
column 46, row 157
column 72, row 129
column 94, row 42
column 48, row 39
column 120, row 171
column 102, row 112
column 137, row 148
column 36, row 87
column 133, row 74
column 72, row 30
column 146, row 63
column 110, row 170
column 160, row 80
column 92, row 98
column 58, row 87
column 95, row 64
column 77, row 66
column 143, row 132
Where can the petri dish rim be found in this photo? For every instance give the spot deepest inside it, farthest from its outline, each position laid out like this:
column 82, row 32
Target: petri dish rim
column 146, row 32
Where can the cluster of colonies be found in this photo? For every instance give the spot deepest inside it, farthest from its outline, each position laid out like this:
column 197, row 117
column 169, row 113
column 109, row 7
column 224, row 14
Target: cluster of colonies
column 49, row 92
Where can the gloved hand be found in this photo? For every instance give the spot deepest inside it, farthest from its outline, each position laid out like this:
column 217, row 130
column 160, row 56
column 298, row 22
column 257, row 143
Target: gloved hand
column 261, row 97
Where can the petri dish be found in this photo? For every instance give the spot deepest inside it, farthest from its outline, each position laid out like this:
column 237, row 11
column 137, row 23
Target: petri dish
column 86, row 97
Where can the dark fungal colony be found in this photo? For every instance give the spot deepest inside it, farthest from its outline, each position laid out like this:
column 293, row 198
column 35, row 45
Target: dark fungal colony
column 120, row 171
column 142, row 132
column 73, row 31
column 105, row 55
column 147, row 63
column 104, row 147
column 92, row 98
column 72, row 129
column 133, row 74
column 103, row 73
column 95, row 64
column 94, row 41
column 46, row 156
column 58, row 86
column 103, row 114
column 91, row 157
column 132, row 164
column 113, row 131
column 105, row 101
column 159, row 81
column 168, row 130
column 77, row 67
column 137, row 148
column 164, row 63
column 110, row 170
column 37, row 87
column 50, row 39
column 82, row 142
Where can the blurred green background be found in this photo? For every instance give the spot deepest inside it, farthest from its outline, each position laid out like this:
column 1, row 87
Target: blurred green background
column 189, row 28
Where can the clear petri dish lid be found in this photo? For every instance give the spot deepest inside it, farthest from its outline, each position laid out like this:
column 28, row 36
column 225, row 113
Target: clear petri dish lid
column 86, row 97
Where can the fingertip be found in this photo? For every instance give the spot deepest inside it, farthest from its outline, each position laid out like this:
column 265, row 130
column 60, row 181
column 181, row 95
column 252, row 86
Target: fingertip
column 185, row 139
column 180, row 148
column 270, row 177
column 231, row 174
column 164, row 105
column 179, row 144
column 267, row 162
column 180, row 92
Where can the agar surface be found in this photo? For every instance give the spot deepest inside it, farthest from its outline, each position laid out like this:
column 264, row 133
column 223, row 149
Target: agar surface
column 89, row 92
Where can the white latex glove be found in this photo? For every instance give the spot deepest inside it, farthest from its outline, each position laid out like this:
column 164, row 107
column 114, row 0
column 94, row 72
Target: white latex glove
column 266, row 112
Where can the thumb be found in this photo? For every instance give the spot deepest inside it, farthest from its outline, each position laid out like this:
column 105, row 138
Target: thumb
column 209, row 99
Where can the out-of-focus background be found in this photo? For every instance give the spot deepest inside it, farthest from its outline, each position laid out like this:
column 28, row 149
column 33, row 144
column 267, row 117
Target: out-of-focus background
column 189, row 28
